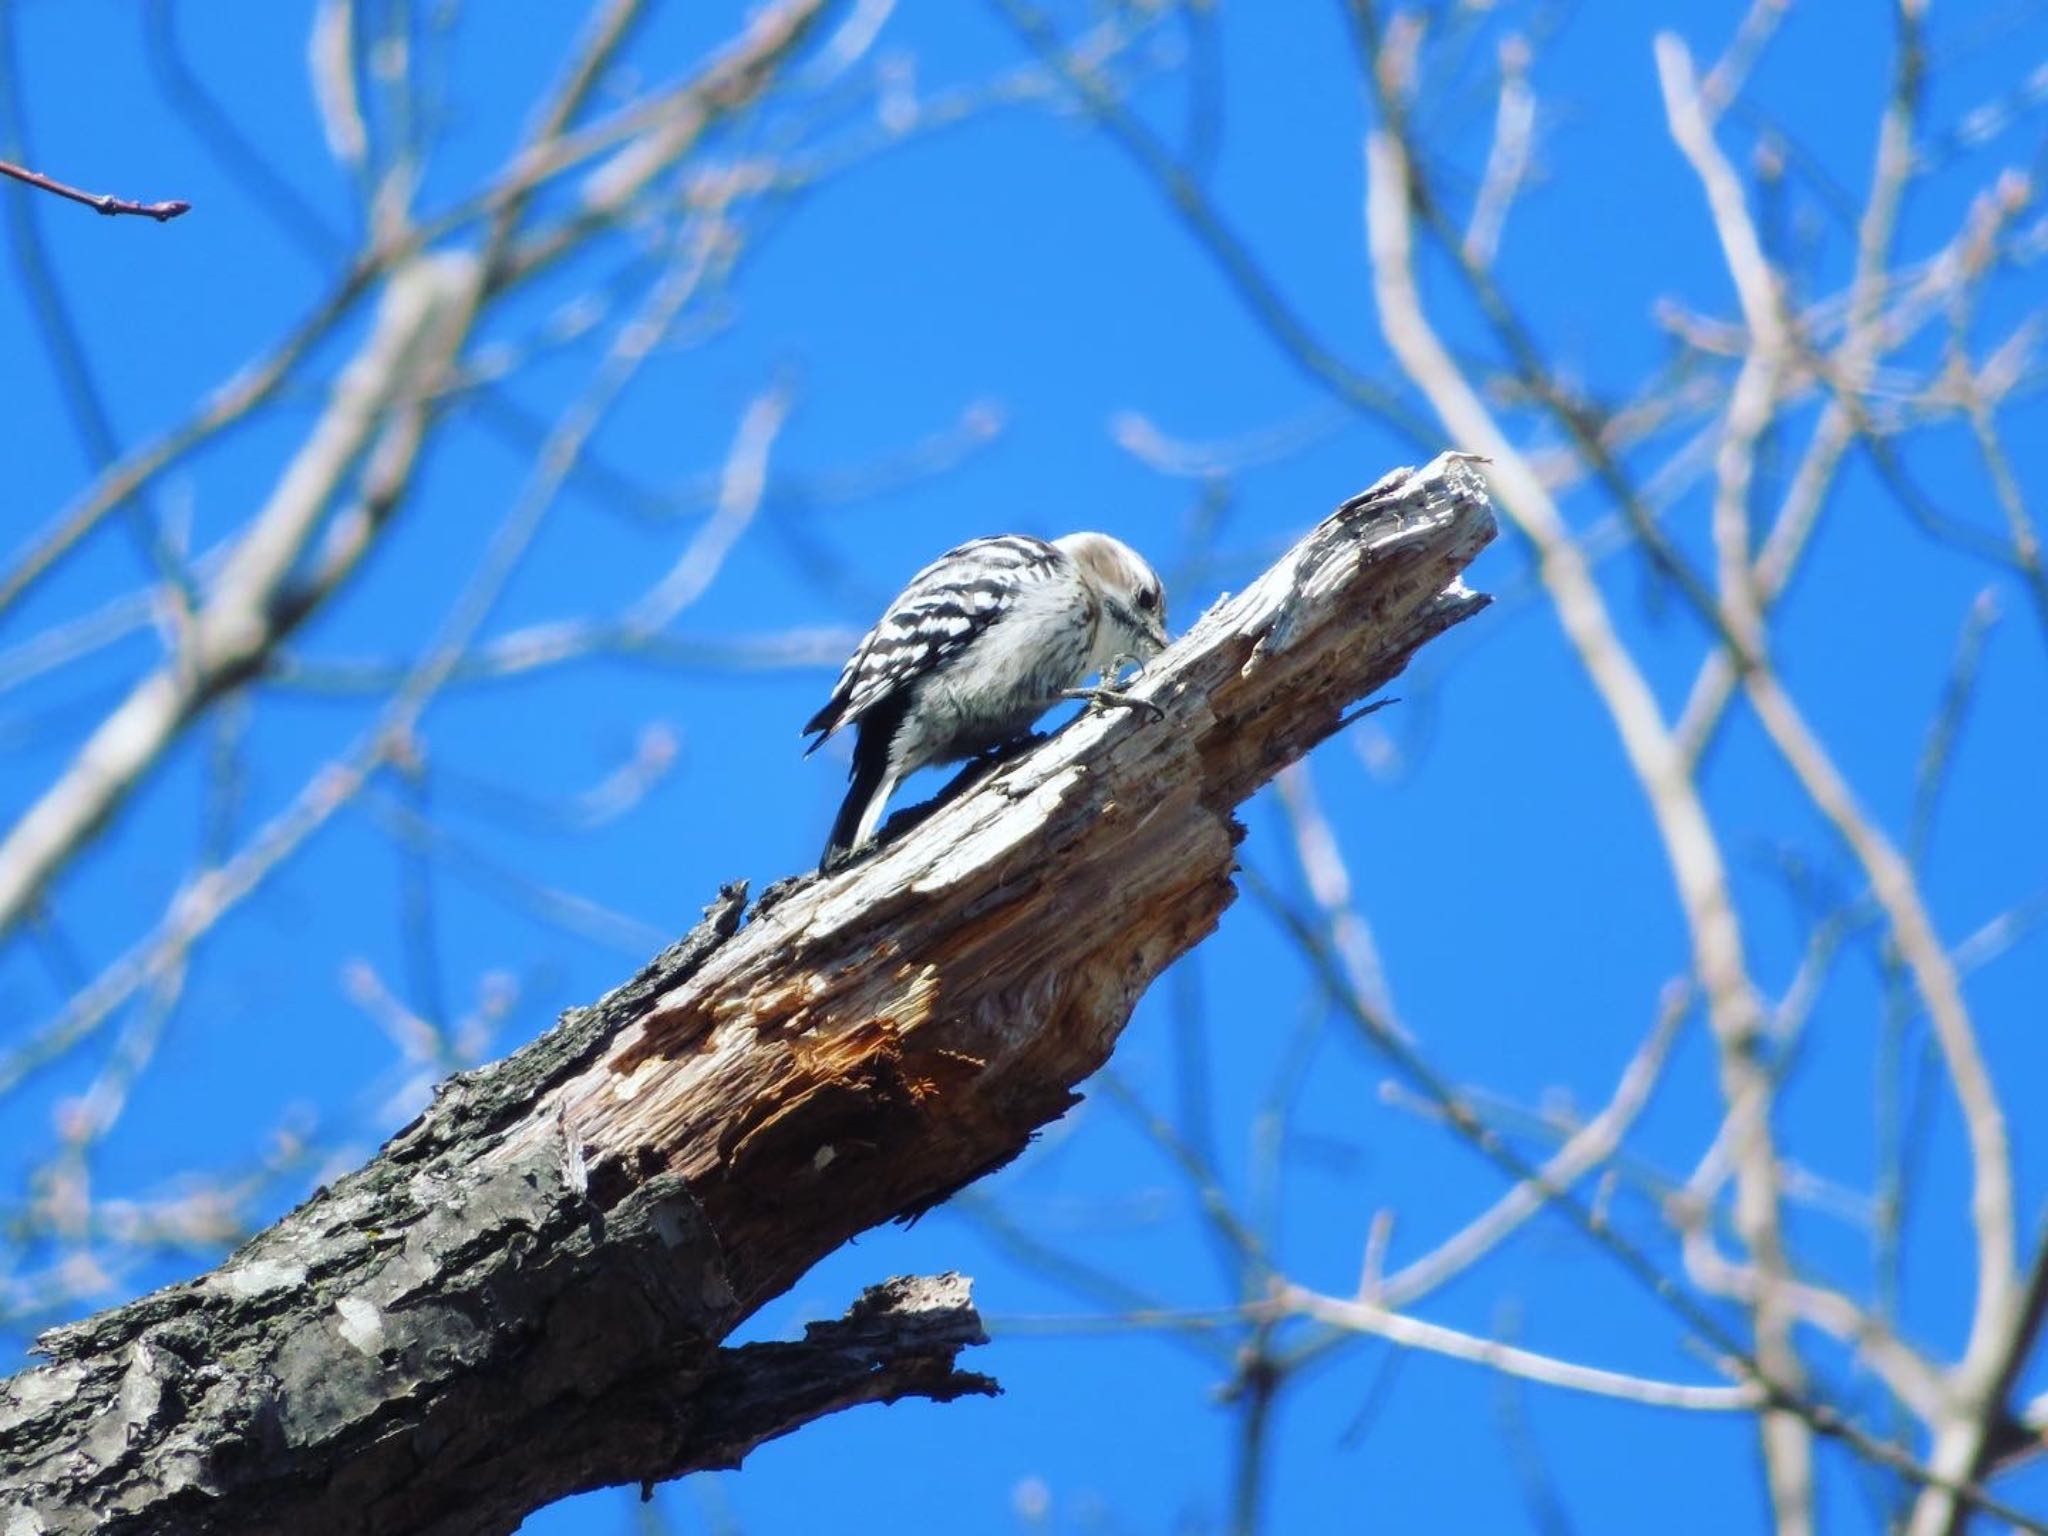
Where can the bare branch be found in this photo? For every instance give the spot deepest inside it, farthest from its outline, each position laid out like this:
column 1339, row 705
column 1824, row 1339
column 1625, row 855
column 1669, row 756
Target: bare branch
column 1507, row 162
column 1193, row 205
column 425, row 316
column 727, row 83
column 197, row 907
column 100, row 202
column 1892, row 882
column 1588, row 1147
column 1689, row 842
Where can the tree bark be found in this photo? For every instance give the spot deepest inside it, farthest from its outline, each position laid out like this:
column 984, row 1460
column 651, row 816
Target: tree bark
column 526, row 1293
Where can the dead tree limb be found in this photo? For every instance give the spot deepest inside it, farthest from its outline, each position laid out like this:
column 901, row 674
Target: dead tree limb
column 527, row 1292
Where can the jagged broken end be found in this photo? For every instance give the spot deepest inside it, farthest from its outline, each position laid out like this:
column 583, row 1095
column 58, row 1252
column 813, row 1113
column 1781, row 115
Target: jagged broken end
column 900, row 1339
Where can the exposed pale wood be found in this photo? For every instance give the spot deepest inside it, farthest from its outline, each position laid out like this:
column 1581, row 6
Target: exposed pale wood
column 526, row 1293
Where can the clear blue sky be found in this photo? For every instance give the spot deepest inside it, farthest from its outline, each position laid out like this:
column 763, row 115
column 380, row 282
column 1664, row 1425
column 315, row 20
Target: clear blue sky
column 1017, row 269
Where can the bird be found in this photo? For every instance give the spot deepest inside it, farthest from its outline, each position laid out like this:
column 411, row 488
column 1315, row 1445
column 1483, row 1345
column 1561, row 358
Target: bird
column 981, row 643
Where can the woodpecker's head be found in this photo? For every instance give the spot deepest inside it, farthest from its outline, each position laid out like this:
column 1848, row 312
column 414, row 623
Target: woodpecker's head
column 1133, row 602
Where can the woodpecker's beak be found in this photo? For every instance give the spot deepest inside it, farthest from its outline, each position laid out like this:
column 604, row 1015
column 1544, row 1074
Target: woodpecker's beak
column 1155, row 638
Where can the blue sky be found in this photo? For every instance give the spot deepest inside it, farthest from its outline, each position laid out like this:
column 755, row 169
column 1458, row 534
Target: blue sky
column 1016, row 271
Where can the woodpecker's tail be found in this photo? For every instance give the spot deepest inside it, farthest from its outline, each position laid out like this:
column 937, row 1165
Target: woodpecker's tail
column 853, row 811
column 873, row 779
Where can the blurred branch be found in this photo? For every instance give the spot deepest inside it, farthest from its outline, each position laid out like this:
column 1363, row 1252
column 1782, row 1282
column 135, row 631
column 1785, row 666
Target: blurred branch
column 571, row 913
column 1361, row 1316
column 2018, row 1433
column 376, row 411
column 1457, row 1111
column 1960, row 1437
column 380, row 413
column 63, row 342
column 1958, row 695
column 1246, row 1262
column 206, row 898
column 728, row 83
column 1185, row 194
column 1323, row 869
column 269, row 189
column 1586, row 1149
column 1912, row 1379
column 1689, row 842
column 1507, row 162
column 1387, row 67
column 1133, row 1309
column 1892, row 882
column 1863, row 342
column 1993, row 212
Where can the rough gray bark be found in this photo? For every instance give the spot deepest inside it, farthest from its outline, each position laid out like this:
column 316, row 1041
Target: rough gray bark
column 526, row 1293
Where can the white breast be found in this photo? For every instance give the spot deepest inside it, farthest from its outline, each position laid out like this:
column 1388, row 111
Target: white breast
column 995, row 690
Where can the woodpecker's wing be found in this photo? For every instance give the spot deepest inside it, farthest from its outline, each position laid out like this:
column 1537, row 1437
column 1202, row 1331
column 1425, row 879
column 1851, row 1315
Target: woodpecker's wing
column 945, row 608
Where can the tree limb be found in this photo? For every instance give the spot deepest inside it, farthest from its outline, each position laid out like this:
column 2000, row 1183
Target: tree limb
column 527, row 1292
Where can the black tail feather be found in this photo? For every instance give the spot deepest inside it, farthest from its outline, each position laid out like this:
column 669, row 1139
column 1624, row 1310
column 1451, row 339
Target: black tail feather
column 877, row 729
column 867, row 778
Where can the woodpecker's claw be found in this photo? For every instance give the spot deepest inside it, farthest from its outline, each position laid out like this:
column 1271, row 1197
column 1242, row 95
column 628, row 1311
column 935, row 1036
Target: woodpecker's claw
column 1099, row 697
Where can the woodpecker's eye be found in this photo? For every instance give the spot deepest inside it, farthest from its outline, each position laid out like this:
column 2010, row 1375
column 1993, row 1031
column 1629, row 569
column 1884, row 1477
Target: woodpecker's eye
column 1148, row 600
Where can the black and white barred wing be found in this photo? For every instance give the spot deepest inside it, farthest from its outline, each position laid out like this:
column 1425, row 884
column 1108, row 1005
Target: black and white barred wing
column 946, row 607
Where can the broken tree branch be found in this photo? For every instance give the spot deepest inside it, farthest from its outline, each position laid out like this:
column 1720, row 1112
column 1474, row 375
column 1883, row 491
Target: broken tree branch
column 527, row 1292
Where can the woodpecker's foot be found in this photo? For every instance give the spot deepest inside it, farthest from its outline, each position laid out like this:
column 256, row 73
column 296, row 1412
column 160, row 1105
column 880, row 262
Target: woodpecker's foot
column 1100, row 697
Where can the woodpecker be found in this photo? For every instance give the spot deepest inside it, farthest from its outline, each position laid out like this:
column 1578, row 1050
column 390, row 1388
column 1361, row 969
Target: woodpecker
column 981, row 643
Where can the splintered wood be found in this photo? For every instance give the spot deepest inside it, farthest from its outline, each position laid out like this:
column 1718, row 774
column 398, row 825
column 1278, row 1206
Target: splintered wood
column 880, row 1037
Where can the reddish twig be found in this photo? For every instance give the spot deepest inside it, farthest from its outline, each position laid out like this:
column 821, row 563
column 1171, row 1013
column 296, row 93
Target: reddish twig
column 105, row 203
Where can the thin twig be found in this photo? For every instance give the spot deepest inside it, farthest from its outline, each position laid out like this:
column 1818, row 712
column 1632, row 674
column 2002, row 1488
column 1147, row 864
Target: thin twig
column 101, row 202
